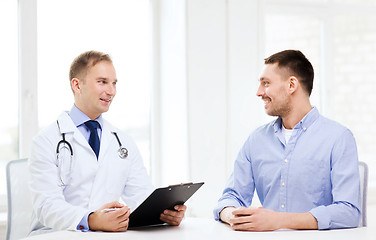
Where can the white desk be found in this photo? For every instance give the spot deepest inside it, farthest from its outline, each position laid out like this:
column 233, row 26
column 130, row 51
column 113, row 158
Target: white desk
column 199, row 228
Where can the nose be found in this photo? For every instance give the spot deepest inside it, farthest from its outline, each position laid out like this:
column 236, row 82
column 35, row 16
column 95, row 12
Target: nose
column 260, row 91
column 111, row 90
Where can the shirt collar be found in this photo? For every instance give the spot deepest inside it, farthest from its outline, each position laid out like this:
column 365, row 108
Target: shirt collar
column 79, row 118
column 304, row 124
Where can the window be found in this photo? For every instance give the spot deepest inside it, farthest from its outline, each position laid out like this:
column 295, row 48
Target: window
column 353, row 88
column 9, row 119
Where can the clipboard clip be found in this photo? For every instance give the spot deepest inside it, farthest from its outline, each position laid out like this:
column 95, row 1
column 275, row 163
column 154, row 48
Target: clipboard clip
column 181, row 184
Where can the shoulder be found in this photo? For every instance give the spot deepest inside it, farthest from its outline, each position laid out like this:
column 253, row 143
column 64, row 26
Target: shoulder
column 264, row 130
column 332, row 128
column 47, row 138
column 329, row 134
column 51, row 131
column 112, row 128
column 261, row 135
column 125, row 138
column 62, row 124
column 268, row 127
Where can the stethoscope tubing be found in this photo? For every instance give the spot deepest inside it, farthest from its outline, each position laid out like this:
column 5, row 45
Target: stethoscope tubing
column 63, row 141
column 123, row 152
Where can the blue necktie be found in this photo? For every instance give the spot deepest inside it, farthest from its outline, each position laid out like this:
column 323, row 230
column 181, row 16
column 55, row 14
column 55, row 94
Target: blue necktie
column 94, row 138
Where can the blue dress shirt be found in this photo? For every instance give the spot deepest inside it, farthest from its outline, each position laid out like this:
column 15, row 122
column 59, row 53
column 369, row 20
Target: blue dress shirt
column 316, row 172
column 79, row 118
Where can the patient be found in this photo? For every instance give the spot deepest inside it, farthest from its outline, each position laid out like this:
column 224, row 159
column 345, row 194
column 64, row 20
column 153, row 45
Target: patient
column 303, row 166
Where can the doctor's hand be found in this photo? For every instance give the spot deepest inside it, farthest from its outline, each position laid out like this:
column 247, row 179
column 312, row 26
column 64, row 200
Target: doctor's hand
column 111, row 217
column 174, row 217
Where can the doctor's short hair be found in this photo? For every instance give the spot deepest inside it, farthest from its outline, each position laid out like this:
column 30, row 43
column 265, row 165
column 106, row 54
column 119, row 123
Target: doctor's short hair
column 294, row 63
column 84, row 61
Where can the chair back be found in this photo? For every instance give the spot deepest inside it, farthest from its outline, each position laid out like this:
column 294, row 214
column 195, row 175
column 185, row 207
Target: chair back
column 19, row 199
column 363, row 174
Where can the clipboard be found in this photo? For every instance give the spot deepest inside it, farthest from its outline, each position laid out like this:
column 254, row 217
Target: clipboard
column 148, row 213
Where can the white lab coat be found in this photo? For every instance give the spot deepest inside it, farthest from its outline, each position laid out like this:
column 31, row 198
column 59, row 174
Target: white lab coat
column 91, row 182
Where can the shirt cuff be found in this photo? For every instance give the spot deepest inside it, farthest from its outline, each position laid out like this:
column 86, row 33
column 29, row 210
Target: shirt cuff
column 322, row 217
column 84, row 223
column 223, row 204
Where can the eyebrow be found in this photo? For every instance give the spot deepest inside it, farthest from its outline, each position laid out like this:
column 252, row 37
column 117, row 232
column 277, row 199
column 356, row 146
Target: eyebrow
column 104, row 78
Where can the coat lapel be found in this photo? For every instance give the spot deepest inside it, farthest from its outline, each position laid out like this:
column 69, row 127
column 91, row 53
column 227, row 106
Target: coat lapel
column 107, row 140
column 66, row 125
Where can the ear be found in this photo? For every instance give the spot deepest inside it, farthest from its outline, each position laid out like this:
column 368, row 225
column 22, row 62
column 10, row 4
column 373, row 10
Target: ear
column 76, row 87
column 293, row 84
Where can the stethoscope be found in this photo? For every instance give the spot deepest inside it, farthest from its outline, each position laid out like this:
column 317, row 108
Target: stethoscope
column 123, row 153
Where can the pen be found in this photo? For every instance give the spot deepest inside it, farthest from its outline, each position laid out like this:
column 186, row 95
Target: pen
column 109, row 209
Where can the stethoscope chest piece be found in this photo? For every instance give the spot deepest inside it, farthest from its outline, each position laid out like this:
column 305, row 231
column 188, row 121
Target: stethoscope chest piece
column 123, row 152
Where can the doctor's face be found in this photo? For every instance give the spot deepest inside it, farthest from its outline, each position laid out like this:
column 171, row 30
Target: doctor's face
column 95, row 92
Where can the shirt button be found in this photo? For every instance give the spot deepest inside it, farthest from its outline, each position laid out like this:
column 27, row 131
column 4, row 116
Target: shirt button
column 283, row 206
column 286, row 161
column 283, row 184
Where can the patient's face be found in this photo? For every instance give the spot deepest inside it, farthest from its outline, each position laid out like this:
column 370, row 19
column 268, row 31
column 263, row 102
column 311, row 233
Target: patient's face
column 273, row 90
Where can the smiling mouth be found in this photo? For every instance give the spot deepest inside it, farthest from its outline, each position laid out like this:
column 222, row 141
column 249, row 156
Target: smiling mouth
column 106, row 100
column 266, row 100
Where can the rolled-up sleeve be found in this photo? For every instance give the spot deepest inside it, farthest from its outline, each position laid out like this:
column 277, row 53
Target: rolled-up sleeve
column 240, row 186
column 344, row 212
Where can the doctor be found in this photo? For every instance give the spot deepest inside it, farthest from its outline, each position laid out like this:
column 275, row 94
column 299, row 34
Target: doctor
column 76, row 184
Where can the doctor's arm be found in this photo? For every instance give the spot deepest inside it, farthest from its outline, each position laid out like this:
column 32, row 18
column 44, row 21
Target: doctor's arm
column 50, row 206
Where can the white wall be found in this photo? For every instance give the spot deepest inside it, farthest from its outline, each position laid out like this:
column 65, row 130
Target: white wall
column 207, row 98
column 28, row 100
column 220, row 75
column 169, row 130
